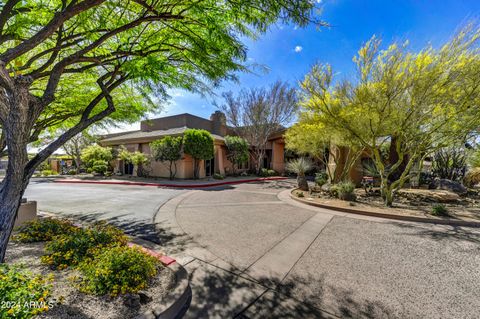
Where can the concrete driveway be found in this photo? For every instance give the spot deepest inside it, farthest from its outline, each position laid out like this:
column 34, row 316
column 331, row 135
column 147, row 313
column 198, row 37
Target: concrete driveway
column 271, row 257
column 131, row 208
column 252, row 252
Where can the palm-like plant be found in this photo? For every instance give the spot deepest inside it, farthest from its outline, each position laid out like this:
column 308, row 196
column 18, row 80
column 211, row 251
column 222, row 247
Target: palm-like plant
column 299, row 166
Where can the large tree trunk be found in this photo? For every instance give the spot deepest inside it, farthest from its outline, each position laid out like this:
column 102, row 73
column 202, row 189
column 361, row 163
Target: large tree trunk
column 10, row 198
column 16, row 126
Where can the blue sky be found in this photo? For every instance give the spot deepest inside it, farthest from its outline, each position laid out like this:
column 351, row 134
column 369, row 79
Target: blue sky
column 289, row 52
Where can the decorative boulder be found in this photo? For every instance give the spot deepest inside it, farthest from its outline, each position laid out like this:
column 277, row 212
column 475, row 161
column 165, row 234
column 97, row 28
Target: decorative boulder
column 449, row 185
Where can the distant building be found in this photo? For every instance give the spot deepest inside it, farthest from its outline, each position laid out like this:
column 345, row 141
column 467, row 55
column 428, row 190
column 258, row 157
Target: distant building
column 176, row 125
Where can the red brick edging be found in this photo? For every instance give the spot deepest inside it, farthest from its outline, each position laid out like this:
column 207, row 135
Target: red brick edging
column 165, row 260
column 450, row 222
column 259, row 179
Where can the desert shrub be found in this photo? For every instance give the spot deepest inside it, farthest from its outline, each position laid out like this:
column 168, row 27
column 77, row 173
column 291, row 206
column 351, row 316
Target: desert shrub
column 263, row 172
column 94, row 153
column 100, row 166
column 48, row 172
column 43, row 229
column 343, row 190
column 472, row 177
column 300, row 194
column 45, row 165
column 83, row 243
column 267, row 172
column 321, row 178
column 18, row 289
column 439, row 210
column 272, row 172
column 299, row 166
column 218, row 176
column 117, row 270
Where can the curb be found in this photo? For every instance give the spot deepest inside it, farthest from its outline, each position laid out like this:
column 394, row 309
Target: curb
column 260, row 179
column 176, row 303
column 449, row 222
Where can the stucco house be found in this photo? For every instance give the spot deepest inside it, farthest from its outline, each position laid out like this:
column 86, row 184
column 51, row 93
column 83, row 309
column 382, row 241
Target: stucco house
column 176, row 125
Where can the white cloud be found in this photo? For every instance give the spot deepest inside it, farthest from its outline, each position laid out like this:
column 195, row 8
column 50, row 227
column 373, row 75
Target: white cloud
column 298, row 49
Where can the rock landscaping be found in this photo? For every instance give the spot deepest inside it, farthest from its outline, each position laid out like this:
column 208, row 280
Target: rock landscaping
column 423, row 203
column 79, row 272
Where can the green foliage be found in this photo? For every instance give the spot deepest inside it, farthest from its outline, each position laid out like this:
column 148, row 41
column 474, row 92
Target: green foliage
column 43, row 229
column 83, row 243
column 267, row 172
column 237, row 150
column 474, row 158
column 168, row 149
column 182, row 44
column 139, row 158
column 300, row 194
column 118, row 270
column 99, row 166
column 44, row 166
column 472, row 177
column 123, row 154
column 321, row 178
column 218, row 176
column 19, row 288
column 414, row 102
column 439, row 210
column 199, row 145
column 450, row 162
column 345, row 188
column 48, row 172
column 299, row 166
column 96, row 155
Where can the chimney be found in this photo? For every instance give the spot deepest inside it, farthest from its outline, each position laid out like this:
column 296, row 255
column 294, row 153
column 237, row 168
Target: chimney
column 219, row 123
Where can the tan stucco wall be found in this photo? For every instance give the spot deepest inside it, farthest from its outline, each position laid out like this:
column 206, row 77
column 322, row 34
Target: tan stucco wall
column 278, row 156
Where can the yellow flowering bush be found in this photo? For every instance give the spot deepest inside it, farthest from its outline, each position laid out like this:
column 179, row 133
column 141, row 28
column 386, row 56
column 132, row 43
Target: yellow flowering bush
column 22, row 295
column 43, row 229
column 118, row 270
column 82, row 243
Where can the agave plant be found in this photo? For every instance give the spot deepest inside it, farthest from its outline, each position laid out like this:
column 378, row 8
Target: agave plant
column 299, row 166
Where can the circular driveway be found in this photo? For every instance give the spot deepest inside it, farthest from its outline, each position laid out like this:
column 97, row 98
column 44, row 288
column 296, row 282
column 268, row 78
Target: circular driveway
column 354, row 267
column 251, row 252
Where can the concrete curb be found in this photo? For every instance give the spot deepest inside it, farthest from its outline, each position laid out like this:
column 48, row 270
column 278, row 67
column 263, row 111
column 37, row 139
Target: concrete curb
column 260, row 179
column 449, row 222
column 176, row 303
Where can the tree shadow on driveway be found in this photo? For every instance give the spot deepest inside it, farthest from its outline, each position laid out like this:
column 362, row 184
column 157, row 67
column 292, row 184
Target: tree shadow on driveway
column 163, row 236
column 441, row 232
column 221, row 293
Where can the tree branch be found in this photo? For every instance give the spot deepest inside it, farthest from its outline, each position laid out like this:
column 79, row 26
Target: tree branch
column 79, row 127
column 57, row 21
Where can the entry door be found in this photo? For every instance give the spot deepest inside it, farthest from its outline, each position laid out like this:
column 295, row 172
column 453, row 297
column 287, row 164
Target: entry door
column 209, row 167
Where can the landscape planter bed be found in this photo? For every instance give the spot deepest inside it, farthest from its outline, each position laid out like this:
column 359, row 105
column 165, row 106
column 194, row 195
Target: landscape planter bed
column 168, row 294
column 382, row 212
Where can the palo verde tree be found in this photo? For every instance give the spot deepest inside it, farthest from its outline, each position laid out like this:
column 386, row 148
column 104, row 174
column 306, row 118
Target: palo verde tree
column 199, row 145
column 168, row 149
column 416, row 103
column 237, row 151
column 52, row 51
column 258, row 113
column 337, row 155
